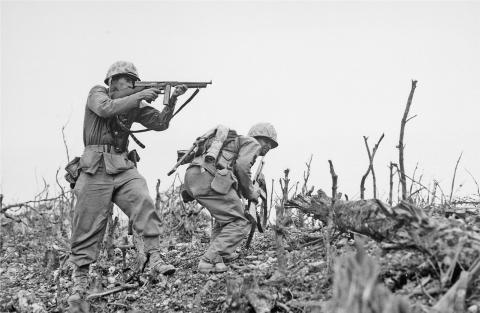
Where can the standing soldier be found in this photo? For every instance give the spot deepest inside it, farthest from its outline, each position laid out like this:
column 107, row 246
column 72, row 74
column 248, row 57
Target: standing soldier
column 219, row 185
column 107, row 175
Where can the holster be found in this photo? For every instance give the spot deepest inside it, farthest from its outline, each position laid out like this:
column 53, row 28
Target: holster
column 134, row 157
column 73, row 171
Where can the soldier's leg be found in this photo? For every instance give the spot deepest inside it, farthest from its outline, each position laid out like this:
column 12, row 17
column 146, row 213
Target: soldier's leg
column 132, row 196
column 229, row 214
column 94, row 194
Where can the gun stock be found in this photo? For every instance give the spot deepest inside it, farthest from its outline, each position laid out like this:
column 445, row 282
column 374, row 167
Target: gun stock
column 185, row 156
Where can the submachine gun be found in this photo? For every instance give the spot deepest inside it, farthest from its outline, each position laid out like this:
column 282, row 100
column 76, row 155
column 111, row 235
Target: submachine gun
column 165, row 88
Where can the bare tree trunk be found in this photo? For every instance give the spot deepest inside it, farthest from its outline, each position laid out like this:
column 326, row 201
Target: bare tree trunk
column 280, row 224
column 371, row 156
column 390, row 192
column 401, row 146
column 306, row 176
column 328, row 247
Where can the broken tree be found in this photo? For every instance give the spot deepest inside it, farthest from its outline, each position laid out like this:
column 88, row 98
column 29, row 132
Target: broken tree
column 447, row 242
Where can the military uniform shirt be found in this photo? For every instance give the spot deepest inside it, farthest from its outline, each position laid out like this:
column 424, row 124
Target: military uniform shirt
column 100, row 109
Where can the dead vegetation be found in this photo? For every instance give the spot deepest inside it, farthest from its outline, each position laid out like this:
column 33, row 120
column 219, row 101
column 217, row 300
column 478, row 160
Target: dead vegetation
column 324, row 253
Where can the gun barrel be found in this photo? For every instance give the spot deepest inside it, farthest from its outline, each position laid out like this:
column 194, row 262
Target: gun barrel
column 162, row 84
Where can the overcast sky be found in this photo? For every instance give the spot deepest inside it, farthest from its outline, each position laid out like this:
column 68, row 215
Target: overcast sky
column 325, row 74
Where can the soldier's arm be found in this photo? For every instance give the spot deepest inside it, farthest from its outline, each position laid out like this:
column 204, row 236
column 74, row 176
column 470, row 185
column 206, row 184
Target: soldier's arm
column 153, row 119
column 249, row 150
column 101, row 104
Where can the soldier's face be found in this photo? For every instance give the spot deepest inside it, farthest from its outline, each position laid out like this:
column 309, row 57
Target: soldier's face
column 122, row 82
column 266, row 146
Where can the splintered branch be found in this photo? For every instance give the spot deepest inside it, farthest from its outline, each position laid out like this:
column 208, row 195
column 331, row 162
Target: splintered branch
column 420, row 183
column 476, row 183
column 401, row 145
column 65, row 142
column 453, row 179
column 334, row 182
column 371, row 156
column 413, row 180
column 280, row 220
column 111, row 291
column 306, row 175
column 390, row 192
column 328, row 248
column 22, row 204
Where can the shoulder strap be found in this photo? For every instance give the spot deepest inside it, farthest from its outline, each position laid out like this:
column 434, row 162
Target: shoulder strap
column 237, row 151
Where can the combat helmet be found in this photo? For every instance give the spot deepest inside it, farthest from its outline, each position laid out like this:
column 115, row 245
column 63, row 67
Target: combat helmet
column 264, row 130
column 121, row 67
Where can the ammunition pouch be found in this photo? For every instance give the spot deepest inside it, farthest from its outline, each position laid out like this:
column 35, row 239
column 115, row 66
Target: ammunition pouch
column 73, row 171
column 223, row 181
column 134, row 157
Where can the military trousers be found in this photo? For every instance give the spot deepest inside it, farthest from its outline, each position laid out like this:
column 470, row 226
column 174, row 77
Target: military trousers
column 231, row 225
column 96, row 193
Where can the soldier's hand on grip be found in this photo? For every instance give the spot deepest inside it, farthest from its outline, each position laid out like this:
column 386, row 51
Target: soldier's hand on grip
column 149, row 94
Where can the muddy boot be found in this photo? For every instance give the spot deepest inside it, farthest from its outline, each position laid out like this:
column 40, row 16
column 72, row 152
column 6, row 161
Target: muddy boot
column 230, row 257
column 159, row 266
column 206, row 266
column 77, row 301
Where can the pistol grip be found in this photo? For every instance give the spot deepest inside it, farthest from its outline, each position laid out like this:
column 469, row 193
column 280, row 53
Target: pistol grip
column 166, row 95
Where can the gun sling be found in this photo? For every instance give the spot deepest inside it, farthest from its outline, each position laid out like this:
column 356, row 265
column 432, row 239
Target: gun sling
column 132, row 132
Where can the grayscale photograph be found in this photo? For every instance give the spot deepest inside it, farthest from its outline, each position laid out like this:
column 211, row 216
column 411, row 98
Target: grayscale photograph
column 240, row 156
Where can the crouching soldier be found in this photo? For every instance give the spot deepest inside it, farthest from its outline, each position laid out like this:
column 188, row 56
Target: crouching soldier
column 218, row 176
column 108, row 176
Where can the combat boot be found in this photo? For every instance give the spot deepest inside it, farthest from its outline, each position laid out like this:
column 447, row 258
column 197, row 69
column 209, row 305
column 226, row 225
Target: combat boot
column 230, row 257
column 77, row 302
column 159, row 266
column 206, row 266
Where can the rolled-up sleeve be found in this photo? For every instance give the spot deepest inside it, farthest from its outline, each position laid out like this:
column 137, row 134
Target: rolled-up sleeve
column 102, row 105
column 249, row 150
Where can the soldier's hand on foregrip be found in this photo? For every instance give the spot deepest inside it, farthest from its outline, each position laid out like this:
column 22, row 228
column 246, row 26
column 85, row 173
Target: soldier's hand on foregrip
column 179, row 90
column 149, row 94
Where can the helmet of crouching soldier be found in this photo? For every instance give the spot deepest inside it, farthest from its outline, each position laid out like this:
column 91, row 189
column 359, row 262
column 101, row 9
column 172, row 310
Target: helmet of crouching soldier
column 265, row 130
column 121, row 68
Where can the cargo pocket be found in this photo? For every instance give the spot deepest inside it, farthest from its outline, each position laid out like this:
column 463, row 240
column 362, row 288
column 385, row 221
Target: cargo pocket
column 117, row 163
column 222, row 182
column 90, row 161
column 197, row 182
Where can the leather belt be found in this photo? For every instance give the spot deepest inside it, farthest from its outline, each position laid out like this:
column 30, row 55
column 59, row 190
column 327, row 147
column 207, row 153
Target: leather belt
column 105, row 148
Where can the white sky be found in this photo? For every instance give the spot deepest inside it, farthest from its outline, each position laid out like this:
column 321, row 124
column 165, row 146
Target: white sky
column 324, row 74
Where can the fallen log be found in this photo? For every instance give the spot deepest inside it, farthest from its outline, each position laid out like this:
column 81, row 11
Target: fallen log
column 447, row 242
